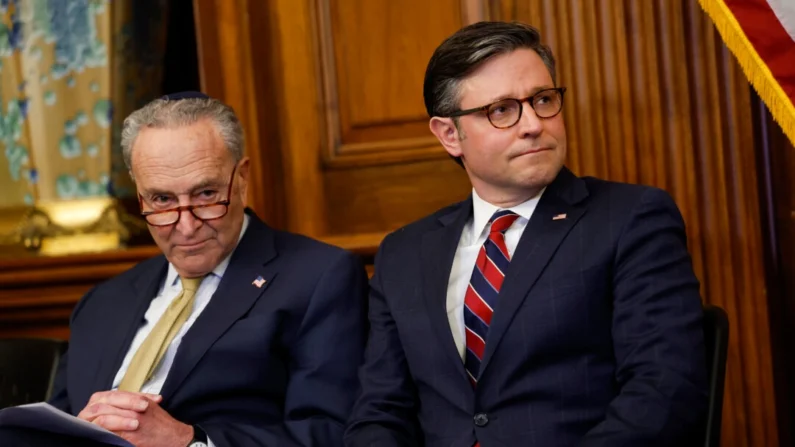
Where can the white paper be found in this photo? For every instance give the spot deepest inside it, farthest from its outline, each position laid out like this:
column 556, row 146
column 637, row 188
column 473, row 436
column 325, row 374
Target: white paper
column 44, row 417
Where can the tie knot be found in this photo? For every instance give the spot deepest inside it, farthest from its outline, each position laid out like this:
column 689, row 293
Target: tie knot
column 502, row 220
column 191, row 284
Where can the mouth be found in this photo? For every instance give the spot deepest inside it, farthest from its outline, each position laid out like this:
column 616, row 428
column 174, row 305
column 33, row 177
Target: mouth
column 191, row 247
column 532, row 151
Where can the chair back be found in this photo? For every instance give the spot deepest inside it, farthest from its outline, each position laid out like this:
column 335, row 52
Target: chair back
column 716, row 343
column 27, row 369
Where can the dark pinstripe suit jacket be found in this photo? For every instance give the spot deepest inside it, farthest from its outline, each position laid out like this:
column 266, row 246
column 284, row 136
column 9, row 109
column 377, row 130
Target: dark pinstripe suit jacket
column 596, row 339
column 269, row 365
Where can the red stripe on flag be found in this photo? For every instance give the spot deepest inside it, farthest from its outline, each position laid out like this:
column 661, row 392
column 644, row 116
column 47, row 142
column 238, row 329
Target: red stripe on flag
column 769, row 38
column 475, row 344
column 476, row 304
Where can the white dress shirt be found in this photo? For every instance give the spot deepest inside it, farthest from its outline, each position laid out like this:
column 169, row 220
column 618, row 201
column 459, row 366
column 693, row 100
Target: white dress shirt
column 169, row 290
column 474, row 235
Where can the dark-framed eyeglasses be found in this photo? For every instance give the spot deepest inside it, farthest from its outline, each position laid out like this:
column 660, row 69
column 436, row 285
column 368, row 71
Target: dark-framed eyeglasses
column 209, row 211
column 507, row 112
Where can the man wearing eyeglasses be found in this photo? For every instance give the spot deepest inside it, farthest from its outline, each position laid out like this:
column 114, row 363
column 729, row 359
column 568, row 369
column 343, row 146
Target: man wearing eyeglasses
column 545, row 309
column 239, row 334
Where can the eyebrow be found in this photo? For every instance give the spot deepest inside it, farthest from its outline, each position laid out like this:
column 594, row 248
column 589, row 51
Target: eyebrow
column 532, row 92
column 199, row 186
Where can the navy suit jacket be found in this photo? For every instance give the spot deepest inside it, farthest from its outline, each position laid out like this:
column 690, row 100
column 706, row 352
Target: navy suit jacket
column 269, row 366
column 596, row 339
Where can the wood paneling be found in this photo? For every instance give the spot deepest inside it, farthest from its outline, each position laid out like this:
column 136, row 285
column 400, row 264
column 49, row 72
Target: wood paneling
column 37, row 294
column 366, row 47
column 234, row 66
column 375, row 89
column 330, row 94
column 374, row 198
column 654, row 97
column 338, row 91
column 776, row 158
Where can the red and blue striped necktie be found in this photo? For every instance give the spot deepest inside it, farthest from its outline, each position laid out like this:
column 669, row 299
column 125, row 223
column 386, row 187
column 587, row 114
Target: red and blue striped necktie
column 484, row 289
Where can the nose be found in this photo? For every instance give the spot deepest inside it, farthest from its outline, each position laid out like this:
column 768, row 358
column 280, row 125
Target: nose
column 188, row 223
column 529, row 125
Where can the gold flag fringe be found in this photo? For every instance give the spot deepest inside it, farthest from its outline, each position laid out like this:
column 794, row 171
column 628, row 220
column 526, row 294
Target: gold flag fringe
column 757, row 72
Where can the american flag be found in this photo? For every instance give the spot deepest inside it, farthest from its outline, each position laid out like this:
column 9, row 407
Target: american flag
column 761, row 34
column 259, row 282
column 559, row 216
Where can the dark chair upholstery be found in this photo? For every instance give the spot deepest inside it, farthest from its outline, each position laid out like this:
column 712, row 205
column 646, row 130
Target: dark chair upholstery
column 716, row 341
column 27, row 369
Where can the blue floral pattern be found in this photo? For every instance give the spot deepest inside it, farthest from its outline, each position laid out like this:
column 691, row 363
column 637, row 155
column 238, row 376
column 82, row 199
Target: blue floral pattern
column 65, row 84
column 73, row 28
column 10, row 131
column 10, row 36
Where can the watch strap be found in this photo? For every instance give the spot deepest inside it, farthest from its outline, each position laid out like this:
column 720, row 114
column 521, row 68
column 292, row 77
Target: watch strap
column 198, row 435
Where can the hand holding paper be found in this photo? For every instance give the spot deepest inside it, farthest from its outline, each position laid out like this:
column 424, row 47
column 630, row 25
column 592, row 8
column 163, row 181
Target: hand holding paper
column 136, row 417
column 44, row 417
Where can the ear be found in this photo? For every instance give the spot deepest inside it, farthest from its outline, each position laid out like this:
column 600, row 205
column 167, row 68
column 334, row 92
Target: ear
column 243, row 172
column 447, row 134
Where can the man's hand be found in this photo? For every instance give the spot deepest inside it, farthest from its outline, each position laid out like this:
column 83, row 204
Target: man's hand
column 136, row 417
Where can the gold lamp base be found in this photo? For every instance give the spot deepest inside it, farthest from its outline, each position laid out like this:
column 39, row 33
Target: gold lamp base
column 74, row 226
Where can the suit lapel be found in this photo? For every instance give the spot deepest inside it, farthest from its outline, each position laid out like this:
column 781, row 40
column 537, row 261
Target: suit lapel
column 438, row 251
column 236, row 294
column 122, row 328
column 538, row 244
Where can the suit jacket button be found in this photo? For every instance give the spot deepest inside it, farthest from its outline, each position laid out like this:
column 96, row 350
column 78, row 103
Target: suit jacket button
column 481, row 419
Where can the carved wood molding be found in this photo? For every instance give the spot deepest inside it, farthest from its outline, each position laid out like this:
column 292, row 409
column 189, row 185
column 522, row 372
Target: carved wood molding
column 336, row 153
column 37, row 294
column 364, row 143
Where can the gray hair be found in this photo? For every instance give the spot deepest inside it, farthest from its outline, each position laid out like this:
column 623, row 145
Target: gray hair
column 466, row 50
column 164, row 113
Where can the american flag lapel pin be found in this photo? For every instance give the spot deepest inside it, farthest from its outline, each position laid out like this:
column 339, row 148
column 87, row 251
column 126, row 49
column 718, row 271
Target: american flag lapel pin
column 259, row 282
column 559, row 216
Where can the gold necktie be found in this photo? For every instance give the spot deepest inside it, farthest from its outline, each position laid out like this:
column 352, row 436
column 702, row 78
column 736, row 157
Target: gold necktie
column 150, row 353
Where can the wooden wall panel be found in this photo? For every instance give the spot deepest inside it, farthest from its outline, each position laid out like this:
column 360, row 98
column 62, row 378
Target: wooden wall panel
column 654, row 97
column 376, row 54
column 370, row 199
column 379, row 158
column 776, row 157
column 37, row 294
column 338, row 88
column 330, row 94
column 235, row 66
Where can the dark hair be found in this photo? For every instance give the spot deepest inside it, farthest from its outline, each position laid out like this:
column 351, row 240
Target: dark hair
column 466, row 50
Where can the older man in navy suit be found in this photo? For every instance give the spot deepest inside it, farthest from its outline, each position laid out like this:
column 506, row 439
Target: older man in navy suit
column 544, row 310
column 239, row 334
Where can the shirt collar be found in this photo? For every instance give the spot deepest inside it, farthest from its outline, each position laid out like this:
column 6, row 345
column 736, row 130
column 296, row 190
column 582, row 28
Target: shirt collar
column 220, row 269
column 483, row 210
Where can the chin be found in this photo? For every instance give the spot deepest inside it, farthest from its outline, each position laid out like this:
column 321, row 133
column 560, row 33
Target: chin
column 194, row 268
column 539, row 176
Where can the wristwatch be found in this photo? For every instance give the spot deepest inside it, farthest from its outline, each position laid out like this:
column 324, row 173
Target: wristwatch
column 199, row 438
